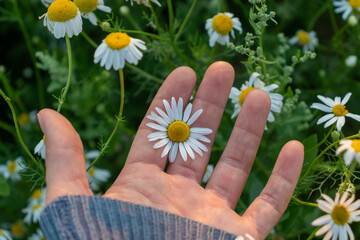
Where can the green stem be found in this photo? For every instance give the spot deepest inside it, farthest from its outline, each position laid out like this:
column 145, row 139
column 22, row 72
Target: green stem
column 171, row 18
column 180, row 54
column 316, row 17
column 64, row 91
column 8, row 101
column 118, row 119
column 321, row 154
column 332, row 16
column 304, row 203
column 262, row 53
column 187, row 17
column 87, row 38
column 144, row 33
column 155, row 18
column 132, row 22
column 39, row 81
column 312, row 235
column 323, row 140
column 9, row 90
column 350, row 172
column 145, row 74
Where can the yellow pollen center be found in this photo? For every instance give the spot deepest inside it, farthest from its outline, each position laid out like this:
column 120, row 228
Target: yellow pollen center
column 36, row 194
column 340, row 215
column 1, row 233
column 356, row 145
column 222, row 24
column 244, row 93
column 12, row 166
column 62, row 11
column 117, row 40
column 86, row 6
column 23, row 119
column 91, row 172
column 339, row 110
column 17, row 229
column 303, row 37
column 44, row 139
column 178, row 131
column 354, row 3
column 36, row 207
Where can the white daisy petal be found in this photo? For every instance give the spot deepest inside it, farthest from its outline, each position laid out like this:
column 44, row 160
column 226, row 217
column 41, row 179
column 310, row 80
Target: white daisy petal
column 173, row 152
column 182, row 151
column 330, row 122
column 189, row 150
column 187, row 112
column 166, row 149
column 161, row 143
column 194, row 117
column 325, row 118
column 156, row 126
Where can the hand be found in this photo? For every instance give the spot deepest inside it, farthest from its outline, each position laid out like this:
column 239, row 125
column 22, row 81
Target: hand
column 178, row 190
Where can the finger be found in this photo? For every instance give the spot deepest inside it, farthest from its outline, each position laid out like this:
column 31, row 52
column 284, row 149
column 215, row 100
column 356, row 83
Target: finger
column 267, row 208
column 180, row 83
column 212, row 96
column 65, row 164
column 232, row 170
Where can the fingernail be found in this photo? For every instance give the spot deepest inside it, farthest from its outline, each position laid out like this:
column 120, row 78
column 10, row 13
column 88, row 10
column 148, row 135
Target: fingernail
column 41, row 122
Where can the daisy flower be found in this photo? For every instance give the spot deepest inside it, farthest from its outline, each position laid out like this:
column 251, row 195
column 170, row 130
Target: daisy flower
column 39, row 235
column 63, row 17
column 117, row 48
column 306, row 39
column 38, row 196
column 346, row 7
column 352, row 150
column 33, row 213
column 351, row 61
column 5, row 235
column 238, row 96
column 145, row 2
column 18, row 229
column 40, row 148
column 12, row 168
column 87, row 7
column 340, row 213
column 97, row 176
column 336, row 110
column 220, row 26
column 175, row 131
column 208, row 172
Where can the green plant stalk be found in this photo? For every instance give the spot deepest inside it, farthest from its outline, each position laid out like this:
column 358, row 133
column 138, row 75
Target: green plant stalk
column 332, row 16
column 350, row 171
column 64, row 91
column 9, row 90
column 87, row 38
column 323, row 140
column 145, row 74
column 144, row 33
column 312, row 235
column 186, row 19
column 155, row 18
column 322, row 153
column 118, row 119
column 39, row 81
column 304, row 203
column 8, row 101
column 171, row 19
column 262, row 52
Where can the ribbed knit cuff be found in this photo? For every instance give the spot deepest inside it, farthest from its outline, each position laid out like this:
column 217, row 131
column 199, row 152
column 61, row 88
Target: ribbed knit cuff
column 95, row 217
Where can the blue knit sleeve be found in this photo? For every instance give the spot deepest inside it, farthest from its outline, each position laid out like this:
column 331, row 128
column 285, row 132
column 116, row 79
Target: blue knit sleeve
column 95, row 217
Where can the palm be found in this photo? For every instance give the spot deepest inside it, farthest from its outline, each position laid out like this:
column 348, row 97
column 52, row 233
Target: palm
column 177, row 189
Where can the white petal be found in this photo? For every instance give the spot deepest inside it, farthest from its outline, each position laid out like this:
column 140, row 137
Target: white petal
column 175, row 109
column 189, row 150
column 322, row 220
column 156, row 127
column 327, row 101
column 346, row 98
column 323, row 230
column 169, row 110
column 200, row 137
column 187, row 112
column 330, row 122
column 203, row 131
column 340, row 123
column 166, row 149
column 325, row 118
column 321, row 107
column 182, row 151
column 173, row 152
column 161, row 143
column 194, row 117
column 354, row 116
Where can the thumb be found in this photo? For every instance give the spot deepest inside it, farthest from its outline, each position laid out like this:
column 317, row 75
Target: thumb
column 65, row 163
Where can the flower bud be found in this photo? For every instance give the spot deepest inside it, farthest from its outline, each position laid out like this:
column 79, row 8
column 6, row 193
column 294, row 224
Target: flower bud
column 351, row 61
column 105, row 26
column 353, row 21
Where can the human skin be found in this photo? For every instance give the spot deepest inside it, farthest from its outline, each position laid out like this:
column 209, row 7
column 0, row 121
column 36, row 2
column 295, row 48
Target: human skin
column 177, row 189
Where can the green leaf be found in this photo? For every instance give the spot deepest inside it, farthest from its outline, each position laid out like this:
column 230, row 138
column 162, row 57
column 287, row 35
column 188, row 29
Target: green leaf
column 4, row 187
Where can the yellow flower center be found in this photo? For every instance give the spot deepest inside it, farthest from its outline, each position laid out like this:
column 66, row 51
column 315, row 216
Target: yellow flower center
column 354, row 3
column 117, row 40
column 44, row 139
column 36, row 207
column 340, row 215
column 303, row 37
column 92, row 172
column 62, row 11
column 23, row 119
column 339, row 110
column 12, row 166
column 222, row 24
column 244, row 93
column 1, row 233
column 17, row 229
column 356, row 145
column 86, row 6
column 178, row 131
column 36, row 194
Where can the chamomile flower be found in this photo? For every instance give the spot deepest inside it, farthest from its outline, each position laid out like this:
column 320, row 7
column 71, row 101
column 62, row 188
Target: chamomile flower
column 352, row 150
column 39, row 235
column 208, row 172
column 346, row 7
column 336, row 110
column 12, row 168
column 117, row 48
column 40, row 148
column 145, row 2
column 221, row 26
column 87, row 7
column 18, row 229
column 38, row 196
column 33, row 213
column 307, row 40
column 175, row 131
column 340, row 213
column 351, row 61
column 238, row 96
column 63, row 17
column 247, row 237
column 97, row 176
column 5, row 234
